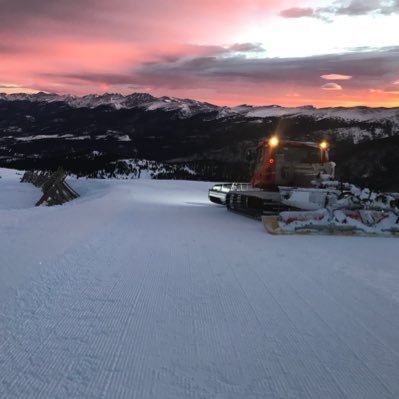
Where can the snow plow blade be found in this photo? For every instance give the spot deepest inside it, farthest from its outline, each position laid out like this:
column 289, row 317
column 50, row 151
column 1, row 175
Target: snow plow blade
column 369, row 223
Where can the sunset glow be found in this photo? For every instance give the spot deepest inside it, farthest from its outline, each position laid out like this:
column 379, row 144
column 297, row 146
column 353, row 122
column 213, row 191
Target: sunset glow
column 228, row 52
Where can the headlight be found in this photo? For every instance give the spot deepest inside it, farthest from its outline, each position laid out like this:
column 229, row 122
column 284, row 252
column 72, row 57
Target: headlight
column 324, row 145
column 273, row 141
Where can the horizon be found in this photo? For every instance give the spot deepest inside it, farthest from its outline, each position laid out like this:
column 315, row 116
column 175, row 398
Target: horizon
column 193, row 99
column 287, row 52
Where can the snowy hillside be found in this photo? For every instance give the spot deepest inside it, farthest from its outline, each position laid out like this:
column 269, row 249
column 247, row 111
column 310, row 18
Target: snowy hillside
column 144, row 289
column 142, row 169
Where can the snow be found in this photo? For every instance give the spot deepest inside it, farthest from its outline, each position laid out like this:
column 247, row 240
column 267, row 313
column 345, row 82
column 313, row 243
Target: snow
column 13, row 195
column 360, row 114
column 124, row 138
column 119, row 137
column 144, row 289
column 85, row 137
column 37, row 137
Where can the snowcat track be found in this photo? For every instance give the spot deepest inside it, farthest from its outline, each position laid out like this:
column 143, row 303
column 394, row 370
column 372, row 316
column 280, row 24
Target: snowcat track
column 253, row 206
column 215, row 200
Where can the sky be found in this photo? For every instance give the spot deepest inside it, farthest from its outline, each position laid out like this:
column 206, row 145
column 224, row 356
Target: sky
column 227, row 52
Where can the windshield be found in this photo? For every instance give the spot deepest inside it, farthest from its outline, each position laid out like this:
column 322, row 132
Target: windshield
column 300, row 154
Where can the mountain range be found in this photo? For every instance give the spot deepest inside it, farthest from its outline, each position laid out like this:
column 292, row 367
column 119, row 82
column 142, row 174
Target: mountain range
column 91, row 133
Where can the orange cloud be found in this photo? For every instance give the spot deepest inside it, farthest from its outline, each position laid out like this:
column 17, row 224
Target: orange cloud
column 334, row 76
column 11, row 88
column 379, row 91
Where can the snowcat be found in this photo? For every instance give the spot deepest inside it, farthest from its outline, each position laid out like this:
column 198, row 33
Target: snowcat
column 293, row 190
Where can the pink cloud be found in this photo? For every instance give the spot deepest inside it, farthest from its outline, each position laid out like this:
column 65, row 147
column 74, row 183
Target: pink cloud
column 183, row 48
column 331, row 86
column 144, row 21
column 334, row 76
column 93, row 36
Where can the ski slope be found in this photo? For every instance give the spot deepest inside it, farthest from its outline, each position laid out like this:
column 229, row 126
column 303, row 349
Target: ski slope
column 143, row 289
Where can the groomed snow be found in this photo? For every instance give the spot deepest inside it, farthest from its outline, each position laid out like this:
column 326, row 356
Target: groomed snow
column 144, row 289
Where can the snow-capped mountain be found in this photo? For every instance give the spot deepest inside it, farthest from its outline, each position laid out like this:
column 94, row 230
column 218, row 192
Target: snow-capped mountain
column 188, row 108
column 185, row 107
column 358, row 113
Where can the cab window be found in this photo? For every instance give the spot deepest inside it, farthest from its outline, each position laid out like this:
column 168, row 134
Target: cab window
column 300, row 154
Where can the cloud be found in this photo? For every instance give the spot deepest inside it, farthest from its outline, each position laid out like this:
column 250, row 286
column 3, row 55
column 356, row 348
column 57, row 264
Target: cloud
column 331, row 86
column 145, row 21
column 371, row 68
column 176, row 51
column 396, row 82
column 297, row 12
column 334, row 76
column 9, row 86
column 21, row 12
column 179, row 47
column 173, row 53
column 354, row 8
column 380, row 91
column 10, row 49
column 363, row 7
column 376, row 69
column 246, row 47
column 109, row 79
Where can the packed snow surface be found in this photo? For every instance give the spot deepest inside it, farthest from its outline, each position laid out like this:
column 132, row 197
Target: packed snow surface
column 144, row 289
